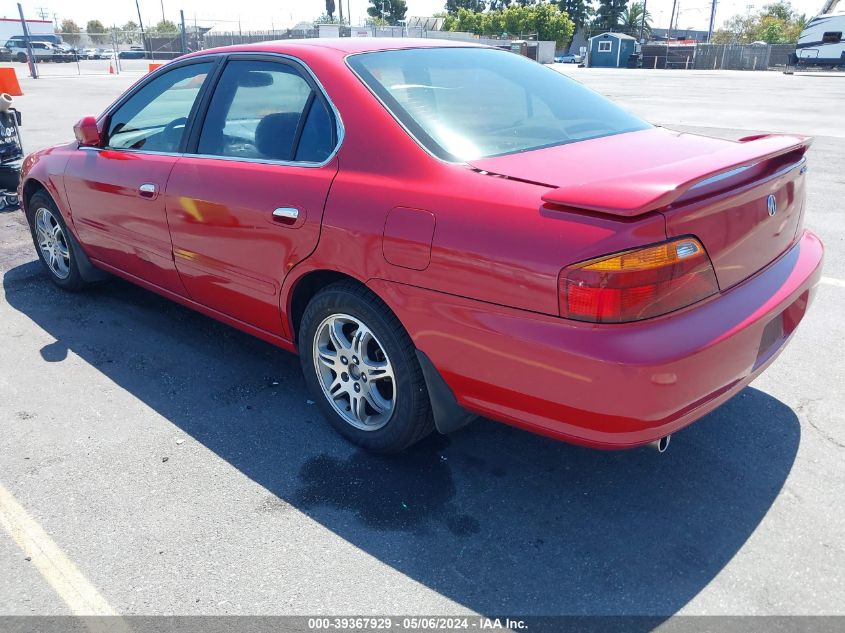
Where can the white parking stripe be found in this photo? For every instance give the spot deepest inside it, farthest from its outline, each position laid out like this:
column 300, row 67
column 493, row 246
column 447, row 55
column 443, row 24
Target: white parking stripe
column 57, row 569
column 832, row 281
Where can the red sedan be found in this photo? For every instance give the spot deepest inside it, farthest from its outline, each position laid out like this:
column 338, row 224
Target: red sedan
column 441, row 231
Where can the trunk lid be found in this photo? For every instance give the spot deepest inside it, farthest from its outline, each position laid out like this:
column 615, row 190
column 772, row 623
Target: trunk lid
column 743, row 200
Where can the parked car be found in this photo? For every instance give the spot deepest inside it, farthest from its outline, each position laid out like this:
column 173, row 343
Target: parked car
column 441, row 231
column 5, row 54
column 42, row 51
column 132, row 53
column 569, row 58
column 89, row 53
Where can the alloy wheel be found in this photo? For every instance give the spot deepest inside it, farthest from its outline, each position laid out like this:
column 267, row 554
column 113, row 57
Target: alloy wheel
column 354, row 372
column 52, row 243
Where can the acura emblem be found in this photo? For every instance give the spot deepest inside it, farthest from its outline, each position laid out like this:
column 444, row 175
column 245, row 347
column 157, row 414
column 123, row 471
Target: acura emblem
column 772, row 205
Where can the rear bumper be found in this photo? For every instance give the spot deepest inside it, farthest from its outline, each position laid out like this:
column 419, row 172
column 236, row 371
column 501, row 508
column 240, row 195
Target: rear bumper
column 610, row 386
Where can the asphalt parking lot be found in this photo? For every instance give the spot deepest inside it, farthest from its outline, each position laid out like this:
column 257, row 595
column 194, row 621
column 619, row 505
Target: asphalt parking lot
column 181, row 468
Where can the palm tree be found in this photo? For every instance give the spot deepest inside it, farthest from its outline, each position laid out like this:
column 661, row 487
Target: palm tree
column 632, row 19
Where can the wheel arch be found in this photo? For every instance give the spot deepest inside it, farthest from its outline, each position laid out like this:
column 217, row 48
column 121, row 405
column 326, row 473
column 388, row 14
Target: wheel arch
column 30, row 187
column 304, row 288
column 87, row 270
column 448, row 414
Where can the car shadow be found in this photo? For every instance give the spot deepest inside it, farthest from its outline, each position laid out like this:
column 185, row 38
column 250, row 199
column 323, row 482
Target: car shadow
column 498, row 520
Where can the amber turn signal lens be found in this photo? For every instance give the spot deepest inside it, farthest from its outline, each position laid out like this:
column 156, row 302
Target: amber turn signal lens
column 637, row 284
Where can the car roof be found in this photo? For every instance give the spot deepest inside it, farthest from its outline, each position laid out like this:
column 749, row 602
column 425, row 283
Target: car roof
column 342, row 45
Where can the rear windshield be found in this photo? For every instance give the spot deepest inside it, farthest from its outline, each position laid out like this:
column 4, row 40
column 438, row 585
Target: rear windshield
column 468, row 103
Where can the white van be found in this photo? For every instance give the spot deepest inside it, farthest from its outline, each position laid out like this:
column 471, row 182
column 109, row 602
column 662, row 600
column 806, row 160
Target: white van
column 821, row 42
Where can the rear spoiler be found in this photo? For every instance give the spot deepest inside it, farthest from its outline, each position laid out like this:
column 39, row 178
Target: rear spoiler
column 656, row 188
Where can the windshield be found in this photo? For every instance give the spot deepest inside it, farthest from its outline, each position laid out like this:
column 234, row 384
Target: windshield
column 468, row 103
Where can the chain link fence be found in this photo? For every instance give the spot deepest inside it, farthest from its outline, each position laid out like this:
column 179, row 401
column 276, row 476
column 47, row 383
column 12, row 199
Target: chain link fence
column 717, row 56
column 742, row 56
column 120, row 51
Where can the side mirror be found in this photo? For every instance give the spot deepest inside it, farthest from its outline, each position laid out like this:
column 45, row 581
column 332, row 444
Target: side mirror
column 87, row 132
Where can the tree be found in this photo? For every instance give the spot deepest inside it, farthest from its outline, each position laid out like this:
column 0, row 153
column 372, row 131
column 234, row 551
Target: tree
column 579, row 11
column 776, row 23
column 452, row 6
column 391, row 11
column 70, row 32
column 609, row 15
column 96, row 31
column 330, row 7
column 544, row 20
column 164, row 27
column 129, row 33
column 632, row 19
column 325, row 18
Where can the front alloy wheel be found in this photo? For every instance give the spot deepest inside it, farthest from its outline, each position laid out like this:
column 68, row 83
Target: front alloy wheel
column 52, row 242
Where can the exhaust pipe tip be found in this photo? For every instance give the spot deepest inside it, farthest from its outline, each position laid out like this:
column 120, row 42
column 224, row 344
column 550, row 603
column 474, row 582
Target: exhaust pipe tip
column 661, row 445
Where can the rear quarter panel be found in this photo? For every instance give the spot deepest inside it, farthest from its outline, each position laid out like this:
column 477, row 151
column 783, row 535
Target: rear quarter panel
column 494, row 239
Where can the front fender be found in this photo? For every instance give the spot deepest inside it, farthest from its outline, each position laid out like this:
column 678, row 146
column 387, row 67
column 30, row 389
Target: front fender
column 45, row 169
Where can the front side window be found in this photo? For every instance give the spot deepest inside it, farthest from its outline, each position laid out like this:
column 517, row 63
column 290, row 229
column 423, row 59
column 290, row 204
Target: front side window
column 605, row 46
column 266, row 110
column 468, row 103
column 154, row 118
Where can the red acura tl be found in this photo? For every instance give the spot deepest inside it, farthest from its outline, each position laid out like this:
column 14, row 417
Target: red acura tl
column 441, row 231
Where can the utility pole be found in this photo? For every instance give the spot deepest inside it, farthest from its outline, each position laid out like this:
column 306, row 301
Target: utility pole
column 712, row 21
column 184, row 36
column 29, row 54
column 162, row 11
column 41, row 11
column 141, row 26
column 340, row 8
column 671, row 19
column 642, row 21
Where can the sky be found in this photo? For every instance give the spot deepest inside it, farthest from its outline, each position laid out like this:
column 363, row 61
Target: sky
column 226, row 15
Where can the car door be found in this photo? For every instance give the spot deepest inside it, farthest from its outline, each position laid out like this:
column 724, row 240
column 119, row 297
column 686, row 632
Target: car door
column 245, row 202
column 116, row 191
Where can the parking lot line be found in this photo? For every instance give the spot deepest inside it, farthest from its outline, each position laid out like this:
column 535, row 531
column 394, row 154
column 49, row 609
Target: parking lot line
column 57, row 569
column 832, row 281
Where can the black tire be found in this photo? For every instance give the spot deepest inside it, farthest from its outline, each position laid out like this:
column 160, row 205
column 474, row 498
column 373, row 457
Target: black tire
column 411, row 418
column 21, row 57
column 73, row 281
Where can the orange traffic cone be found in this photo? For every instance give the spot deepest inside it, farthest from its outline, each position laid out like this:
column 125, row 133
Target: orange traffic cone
column 111, row 69
column 9, row 82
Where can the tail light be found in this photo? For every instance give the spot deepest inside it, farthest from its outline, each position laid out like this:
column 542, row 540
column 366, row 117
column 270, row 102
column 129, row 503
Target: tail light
column 637, row 284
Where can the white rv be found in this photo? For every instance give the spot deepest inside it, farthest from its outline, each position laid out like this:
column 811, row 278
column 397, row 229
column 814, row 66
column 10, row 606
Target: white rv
column 821, row 42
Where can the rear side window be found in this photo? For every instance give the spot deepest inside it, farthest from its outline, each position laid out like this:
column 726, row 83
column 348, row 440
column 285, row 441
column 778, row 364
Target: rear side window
column 154, row 118
column 833, row 37
column 468, row 103
column 268, row 111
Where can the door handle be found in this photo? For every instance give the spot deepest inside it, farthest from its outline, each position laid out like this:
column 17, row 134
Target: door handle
column 286, row 215
column 147, row 190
